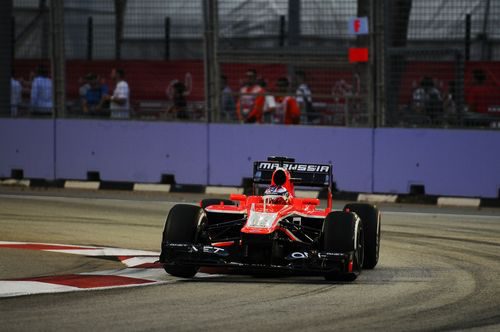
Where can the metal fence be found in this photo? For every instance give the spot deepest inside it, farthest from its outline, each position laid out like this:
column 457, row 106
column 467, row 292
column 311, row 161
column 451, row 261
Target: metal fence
column 442, row 63
column 295, row 49
column 410, row 63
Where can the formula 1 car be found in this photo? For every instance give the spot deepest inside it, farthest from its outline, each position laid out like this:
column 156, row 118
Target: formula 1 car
column 276, row 232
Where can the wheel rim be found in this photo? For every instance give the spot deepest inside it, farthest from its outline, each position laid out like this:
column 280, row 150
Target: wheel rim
column 377, row 244
column 359, row 254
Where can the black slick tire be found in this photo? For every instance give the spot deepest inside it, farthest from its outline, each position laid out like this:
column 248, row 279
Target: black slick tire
column 183, row 226
column 370, row 216
column 343, row 233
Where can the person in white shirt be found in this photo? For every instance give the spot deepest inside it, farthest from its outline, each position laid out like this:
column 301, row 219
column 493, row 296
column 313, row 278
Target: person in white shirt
column 41, row 92
column 15, row 96
column 120, row 100
column 304, row 96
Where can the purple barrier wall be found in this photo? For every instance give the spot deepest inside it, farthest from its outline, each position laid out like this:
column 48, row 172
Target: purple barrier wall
column 27, row 144
column 446, row 162
column 131, row 150
column 233, row 148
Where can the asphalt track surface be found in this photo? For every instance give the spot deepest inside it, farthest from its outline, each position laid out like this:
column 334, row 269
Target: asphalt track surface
column 439, row 270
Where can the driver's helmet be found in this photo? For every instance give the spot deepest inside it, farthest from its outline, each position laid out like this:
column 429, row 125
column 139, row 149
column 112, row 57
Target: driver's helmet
column 276, row 195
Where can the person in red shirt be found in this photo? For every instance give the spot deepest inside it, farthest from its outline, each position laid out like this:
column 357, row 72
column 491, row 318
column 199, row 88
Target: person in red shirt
column 287, row 109
column 481, row 95
column 251, row 101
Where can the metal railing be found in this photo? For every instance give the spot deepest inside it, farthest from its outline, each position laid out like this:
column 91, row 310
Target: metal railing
column 215, row 42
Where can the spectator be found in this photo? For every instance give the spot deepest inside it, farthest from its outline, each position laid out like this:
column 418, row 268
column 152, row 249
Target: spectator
column 304, row 95
column 120, row 100
column 287, row 107
column 41, row 92
column 227, row 105
column 15, row 96
column 269, row 107
column 251, row 102
column 449, row 104
column 480, row 94
column 82, row 91
column 93, row 100
column 427, row 100
column 179, row 107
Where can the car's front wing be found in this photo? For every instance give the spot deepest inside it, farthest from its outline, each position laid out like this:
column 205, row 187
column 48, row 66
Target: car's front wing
column 230, row 258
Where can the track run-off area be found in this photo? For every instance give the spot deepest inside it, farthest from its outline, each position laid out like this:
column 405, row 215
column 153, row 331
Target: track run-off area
column 439, row 269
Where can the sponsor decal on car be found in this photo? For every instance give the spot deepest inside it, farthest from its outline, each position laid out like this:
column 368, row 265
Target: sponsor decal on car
column 313, row 168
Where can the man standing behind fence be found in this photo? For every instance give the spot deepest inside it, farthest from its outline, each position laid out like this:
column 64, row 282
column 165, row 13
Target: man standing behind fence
column 287, row 108
column 41, row 92
column 304, row 95
column 16, row 91
column 251, row 101
column 120, row 100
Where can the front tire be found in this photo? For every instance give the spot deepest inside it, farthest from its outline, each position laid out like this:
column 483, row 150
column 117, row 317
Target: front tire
column 370, row 216
column 343, row 233
column 183, row 225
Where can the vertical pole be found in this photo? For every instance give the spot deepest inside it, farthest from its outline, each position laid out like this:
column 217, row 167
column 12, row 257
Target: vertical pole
column 120, row 6
column 44, row 41
column 364, row 100
column 5, row 55
column 293, row 22
column 90, row 37
column 211, row 64
column 370, row 66
column 485, row 52
column 57, row 61
column 57, row 56
column 378, row 27
column 387, row 61
column 207, row 59
column 467, row 36
column 293, row 28
column 13, row 38
column 167, row 38
column 459, row 85
column 282, row 31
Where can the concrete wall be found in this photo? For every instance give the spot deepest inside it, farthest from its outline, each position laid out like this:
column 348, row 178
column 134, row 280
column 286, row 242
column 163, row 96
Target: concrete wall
column 233, row 148
column 132, row 151
column 27, row 144
column 447, row 162
column 386, row 160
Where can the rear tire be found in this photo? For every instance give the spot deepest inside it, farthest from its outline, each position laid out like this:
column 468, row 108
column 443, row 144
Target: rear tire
column 370, row 216
column 343, row 233
column 215, row 201
column 183, row 226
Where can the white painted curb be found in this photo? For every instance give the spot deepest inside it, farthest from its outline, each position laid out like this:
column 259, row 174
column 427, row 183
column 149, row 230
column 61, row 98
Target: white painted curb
column 223, row 190
column 152, row 187
column 374, row 198
column 458, row 201
column 82, row 184
column 14, row 182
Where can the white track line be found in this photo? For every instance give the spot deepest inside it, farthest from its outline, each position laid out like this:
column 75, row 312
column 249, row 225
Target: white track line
column 439, row 214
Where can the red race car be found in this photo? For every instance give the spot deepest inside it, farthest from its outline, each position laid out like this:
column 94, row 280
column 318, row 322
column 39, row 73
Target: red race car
column 276, row 232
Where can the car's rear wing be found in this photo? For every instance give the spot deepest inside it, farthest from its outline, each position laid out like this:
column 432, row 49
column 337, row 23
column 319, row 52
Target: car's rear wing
column 310, row 175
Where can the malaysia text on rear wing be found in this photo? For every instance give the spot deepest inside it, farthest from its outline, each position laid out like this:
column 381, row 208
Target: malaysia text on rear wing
column 310, row 175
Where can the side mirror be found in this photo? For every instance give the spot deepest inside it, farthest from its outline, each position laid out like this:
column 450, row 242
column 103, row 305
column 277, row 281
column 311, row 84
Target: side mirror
column 238, row 197
column 310, row 201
